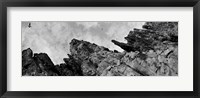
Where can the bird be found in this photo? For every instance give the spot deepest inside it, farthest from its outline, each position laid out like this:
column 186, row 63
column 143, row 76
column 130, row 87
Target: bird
column 29, row 25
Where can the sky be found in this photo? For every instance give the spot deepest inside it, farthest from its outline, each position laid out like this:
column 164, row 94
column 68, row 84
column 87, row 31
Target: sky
column 53, row 38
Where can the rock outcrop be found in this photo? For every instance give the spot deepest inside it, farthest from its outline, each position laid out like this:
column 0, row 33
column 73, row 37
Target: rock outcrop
column 37, row 64
column 151, row 51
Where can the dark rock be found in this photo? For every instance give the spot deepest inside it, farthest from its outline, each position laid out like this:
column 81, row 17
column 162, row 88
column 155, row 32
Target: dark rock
column 153, row 35
column 74, row 65
column 37, row 65
column 116, row 51
column 164, row 28
column 27, row 58
column 124, row 46
column 81, row 49
column 150, row 51
column 64, row 70
column 88, row 68
column 44, row 59
column 29, row 67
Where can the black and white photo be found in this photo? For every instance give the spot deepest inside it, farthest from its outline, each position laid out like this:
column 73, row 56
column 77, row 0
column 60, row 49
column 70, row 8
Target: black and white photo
column 99, row 48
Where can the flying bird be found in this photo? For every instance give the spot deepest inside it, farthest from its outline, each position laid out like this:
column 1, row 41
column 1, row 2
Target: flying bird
column 29, row 25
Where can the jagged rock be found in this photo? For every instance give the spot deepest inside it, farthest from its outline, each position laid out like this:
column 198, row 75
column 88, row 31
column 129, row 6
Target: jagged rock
column 82, row 49
column 154, row 34
column 43, row 58
column 116, row 51
column 64, row 70
column 131, row 72
column 124, row 46
column 27, row 57
column 74, row 65
column 29, row 67
column 45, row 64
column 37, row 65
column 165, row 28
column 107, row 64
column 88, row 68
column 150, row 51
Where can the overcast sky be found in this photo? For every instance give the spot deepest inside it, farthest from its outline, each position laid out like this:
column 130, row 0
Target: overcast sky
column 53, row 38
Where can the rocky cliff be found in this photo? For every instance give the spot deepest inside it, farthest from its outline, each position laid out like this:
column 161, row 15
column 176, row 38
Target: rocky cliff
column 151, row 51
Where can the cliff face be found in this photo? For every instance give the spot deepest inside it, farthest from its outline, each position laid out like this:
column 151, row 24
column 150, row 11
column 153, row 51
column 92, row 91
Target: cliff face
column 151, row 51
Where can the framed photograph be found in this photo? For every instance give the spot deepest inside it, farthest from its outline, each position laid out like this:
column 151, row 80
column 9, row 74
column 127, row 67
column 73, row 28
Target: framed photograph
column 99, row 48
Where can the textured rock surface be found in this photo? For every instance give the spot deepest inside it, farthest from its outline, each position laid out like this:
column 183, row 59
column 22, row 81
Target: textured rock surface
column 151, row 51
column 37, row 64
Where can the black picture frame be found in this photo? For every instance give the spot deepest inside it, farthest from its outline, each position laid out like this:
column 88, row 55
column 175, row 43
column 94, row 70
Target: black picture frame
column 99, row 3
